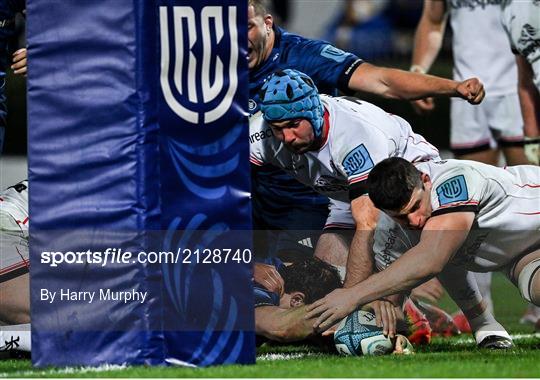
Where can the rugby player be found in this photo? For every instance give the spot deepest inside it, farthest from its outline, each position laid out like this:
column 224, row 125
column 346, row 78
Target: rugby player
column 521, row 22
column 14, row 269
column 472, row 216
column 8, row 11
column 331, row 144
column 476, row 133
column 280, row 203
column 279, row 315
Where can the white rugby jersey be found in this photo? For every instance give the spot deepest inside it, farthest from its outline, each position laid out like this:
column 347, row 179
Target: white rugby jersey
column 506, row 202
column 14, row 202
column 521, row 20
column 360, row 135
column 480, row 45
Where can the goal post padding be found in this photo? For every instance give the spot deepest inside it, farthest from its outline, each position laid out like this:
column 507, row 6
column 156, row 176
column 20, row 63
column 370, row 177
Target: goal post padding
column 116, row 163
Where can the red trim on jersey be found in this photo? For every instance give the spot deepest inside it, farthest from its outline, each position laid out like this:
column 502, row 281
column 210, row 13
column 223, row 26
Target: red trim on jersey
column 23, row 222
column 534, row 186
column 512, row 138
column 359, row 179
column 421, row 142
column 474, row 203
column 469, row 145
column 255, row 161
column 326, row 122
column 20, row 264
column 528, row 213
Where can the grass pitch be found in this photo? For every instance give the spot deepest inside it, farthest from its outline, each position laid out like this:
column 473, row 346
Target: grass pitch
column 444, row 357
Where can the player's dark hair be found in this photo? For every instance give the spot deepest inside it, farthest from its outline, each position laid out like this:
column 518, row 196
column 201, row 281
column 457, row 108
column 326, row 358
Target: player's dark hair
column 259, row 6
column 311, row 276
column 391, row 183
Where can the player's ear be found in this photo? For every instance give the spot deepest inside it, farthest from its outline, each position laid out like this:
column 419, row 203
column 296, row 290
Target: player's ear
column 269, row 22
column 425, row 178
column 297, row 299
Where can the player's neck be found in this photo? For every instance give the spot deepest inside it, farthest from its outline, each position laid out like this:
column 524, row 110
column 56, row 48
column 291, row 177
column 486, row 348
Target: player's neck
column 269, row 45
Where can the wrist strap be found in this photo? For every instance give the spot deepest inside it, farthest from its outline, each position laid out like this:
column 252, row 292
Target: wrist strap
column 417, row 69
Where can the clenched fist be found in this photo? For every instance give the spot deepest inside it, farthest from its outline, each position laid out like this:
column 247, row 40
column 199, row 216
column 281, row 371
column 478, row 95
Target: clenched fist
column 472, row 90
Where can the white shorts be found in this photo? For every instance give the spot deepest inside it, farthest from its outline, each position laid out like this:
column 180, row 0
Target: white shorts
column 14, row 252
column 496, row 122
column 340, row 216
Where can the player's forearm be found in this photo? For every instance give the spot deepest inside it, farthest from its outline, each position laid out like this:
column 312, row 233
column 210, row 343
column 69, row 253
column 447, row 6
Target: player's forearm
column 529, row 99
column 405, row 85
column 427, row 44
column 410, row 270
column 360, row 259
column 286, row 325
column 411, row 86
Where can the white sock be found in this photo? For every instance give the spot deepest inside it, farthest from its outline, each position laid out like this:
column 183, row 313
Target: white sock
column 485, row 325
column 15, row 337
column 484, row 285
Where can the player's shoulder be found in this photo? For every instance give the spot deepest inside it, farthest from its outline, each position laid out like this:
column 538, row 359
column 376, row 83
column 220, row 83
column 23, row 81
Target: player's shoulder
column 454, row 183
column 289, row 40
column 305, row 49
column 444, row 170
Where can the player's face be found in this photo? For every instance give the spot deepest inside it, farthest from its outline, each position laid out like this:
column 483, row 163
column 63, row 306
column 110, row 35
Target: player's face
column 416, row 213
column 259, row 29
column 296, row 134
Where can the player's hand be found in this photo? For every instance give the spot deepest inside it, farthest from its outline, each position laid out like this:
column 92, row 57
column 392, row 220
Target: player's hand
column 332, row 308
column 269, row 277
column 330, row 331
column 19, row 62
column 423, row 106
column 472, row 90
column 431, row 291
column 385, row 316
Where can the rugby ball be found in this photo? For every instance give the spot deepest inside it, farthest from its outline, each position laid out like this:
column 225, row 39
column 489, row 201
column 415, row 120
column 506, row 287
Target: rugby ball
column 358, row 334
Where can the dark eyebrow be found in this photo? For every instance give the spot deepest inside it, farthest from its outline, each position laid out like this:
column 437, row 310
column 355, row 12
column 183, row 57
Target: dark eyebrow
column 286, row 124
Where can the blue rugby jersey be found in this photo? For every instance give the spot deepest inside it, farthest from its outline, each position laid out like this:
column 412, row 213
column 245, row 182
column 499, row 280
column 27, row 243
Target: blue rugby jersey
column 274, row 191
column 264, row 297
column 8, row 10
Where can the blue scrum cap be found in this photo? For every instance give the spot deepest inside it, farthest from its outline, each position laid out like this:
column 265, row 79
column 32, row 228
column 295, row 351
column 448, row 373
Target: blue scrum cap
column 291, row 94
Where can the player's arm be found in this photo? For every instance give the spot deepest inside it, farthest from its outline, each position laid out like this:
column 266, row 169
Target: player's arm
column 529, row 97
column 405, row 85
column 427, row 44
column 441, row 238
column 399, row 84
column 429, row 35
column 360, row 259
column 283, row 325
